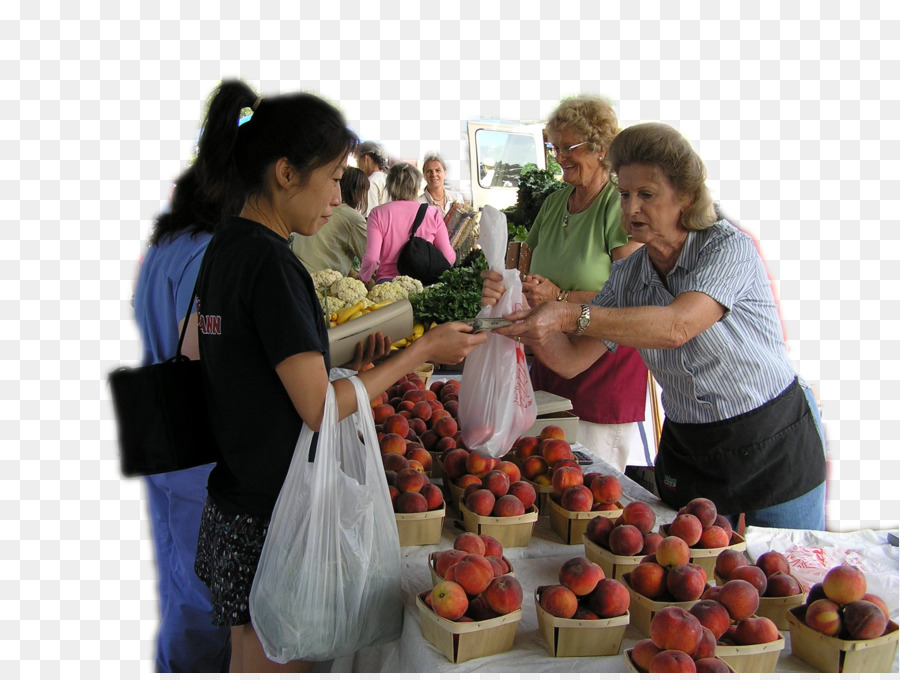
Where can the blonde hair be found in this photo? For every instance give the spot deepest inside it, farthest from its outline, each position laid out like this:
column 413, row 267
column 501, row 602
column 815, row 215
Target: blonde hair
column 664, row 148
column 591, row 116
column 403, row 181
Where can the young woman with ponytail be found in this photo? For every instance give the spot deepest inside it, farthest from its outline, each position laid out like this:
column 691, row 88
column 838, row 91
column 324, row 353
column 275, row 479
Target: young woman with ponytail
column 264, row 342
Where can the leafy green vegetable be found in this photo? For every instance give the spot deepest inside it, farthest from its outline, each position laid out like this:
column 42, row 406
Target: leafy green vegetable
column 534, row 186
column 456, row 295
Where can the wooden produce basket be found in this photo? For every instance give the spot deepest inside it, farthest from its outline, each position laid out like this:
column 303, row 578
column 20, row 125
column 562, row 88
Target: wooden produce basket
column 570, row 526
column 613, row 565
column 834, row 655
column 543, row 492
column 461, row 642
column 774, row 608
column 435, row 579
column 759, row 658
column 512, row 532
column 456, row 492
column 421, row 528
column 631, row 668
column 576, row 637
column 437, row 466
column 706, row 557
column 643, row 609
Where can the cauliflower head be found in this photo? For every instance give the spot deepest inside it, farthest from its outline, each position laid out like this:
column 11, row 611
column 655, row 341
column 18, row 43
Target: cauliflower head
column 349, row 290
column 412, row 286
column 334, row 304
column 326, row 277
column 382, row 292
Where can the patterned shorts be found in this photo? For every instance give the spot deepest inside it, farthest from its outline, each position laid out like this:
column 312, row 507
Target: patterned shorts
column 228, row 552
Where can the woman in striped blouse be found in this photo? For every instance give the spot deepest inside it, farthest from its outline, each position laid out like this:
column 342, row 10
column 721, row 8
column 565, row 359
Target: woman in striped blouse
column 741, row 427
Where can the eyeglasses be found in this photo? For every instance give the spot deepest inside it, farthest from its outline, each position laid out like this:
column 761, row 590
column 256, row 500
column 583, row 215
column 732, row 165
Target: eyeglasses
column 564, row 150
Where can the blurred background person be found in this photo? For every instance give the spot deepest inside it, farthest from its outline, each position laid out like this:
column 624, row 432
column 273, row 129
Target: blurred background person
column 371, row 159
column 389, row 225
column 343, row 238
column 436, row 193
column 576, row 237
column 187, row 640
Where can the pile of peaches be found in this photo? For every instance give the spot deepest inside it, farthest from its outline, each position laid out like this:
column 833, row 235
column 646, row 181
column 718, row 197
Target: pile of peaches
column 584, row 592
column 491, row 487
column 700, row 525
column 537, row 456
column 839, row 606
column 679, row 643
column 631, row 533
column 476, row 584
column 771, row 575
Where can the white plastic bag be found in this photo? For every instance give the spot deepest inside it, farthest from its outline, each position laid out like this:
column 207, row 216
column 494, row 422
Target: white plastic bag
column 496, row 399
column 328, row 580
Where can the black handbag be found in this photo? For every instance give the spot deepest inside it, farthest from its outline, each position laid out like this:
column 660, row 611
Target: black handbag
column 419, row 258
column 161, row 412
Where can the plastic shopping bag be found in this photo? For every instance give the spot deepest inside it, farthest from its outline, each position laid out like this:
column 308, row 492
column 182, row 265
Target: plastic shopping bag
column 328, row 580
column 496, row 399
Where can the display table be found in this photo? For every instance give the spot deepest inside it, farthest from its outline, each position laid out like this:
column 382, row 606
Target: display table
column 535, row 564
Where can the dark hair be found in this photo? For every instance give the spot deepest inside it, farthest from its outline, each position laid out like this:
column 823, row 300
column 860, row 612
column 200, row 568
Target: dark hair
column 308, row 131
column 355, row 189
column 205, row 192
column 373, row 151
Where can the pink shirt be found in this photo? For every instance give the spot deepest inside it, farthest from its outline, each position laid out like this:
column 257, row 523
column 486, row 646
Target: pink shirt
column 387, row 231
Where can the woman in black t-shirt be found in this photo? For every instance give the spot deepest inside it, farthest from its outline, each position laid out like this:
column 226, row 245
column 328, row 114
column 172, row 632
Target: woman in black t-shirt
column 263, row 339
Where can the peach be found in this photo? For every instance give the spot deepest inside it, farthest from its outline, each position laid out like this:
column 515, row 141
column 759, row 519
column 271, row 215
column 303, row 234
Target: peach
column 508, row 506
column 585, row 614
column 553, row 450
column 552, row 432
column 712, row 593
column 469, row 542
column 686, row 583
column 752, row 574
column 422, row 456
column 504, row 594
column 499, row 565
column 492, row 546
column 722, row 521
column 472, row 572
column 451, row 406
column 436, row 387
column 394, row 462
column 740, row 598
column 564, row 462
column 816, row 592
column 626, row 540
column 421, row 410
column 411, row 480
column 639, row 514
column 542, row 480
column 396, row 424
column 877, row 601
column 706, row 648
column 526, row 446
column 411, row 501
column 534, row 466
column 649, row 580
column 558, row 601
column 578, row 498
column 379, row 413
column 564, row 477
column 454, row 463
column 863, row 620
column 449, row 600
column 755, row 631
column 672, row 661
column 434, row 499
column 392, row 443
column 437, row 413
column 673, row 628
column 672, row 552
column 643, row 652
column 773, row 561
column 511, row 469
column 479, row 465
column 712, row 665
column 445, row 427
column 445, row 444
column 651, row 543
column 497, row 482
column 598, row 530
column 416, row 395
column 446, row 558
column 606, row 489
column 580, row 575
column 481, row 502
column 844, row 584
column 686, row 527
column 470, row 489
column 704, row 510
column 589, row 477
column 525, row 492
column 712, row 615
column 824, row 616
column 608, row 599
column 429, row 439
column 479, row 609
column 782, row 585
column 648, row 559
column 405, row 406
column 728, row 560
column 467, row 480
column 416, row 465
column 393, row 491
column 713, row 537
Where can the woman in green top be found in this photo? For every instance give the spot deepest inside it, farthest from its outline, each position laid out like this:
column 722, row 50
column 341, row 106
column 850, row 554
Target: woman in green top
column 575, row 238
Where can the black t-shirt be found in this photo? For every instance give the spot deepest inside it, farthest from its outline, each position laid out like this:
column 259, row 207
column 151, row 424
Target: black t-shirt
column 258, row 307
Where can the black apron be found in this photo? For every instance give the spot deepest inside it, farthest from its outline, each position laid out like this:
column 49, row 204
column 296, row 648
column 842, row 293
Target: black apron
column 767, row 456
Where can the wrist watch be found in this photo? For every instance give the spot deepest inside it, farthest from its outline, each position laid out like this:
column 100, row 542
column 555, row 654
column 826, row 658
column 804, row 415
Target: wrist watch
column 584, row 320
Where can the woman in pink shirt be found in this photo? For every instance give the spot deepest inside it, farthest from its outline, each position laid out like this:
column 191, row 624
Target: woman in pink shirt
column 388, row 226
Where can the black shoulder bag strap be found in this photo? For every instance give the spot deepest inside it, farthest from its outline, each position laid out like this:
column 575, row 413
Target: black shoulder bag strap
column 419, row 217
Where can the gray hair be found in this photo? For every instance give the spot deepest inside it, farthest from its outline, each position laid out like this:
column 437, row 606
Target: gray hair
column 434, row 156
column 374, row 151
column 403, row 182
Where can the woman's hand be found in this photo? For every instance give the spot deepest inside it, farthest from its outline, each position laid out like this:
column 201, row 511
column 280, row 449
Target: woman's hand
column 538, row 289
column 493, row 287
column 376, row 347
column 451, row 342
column 539, row 324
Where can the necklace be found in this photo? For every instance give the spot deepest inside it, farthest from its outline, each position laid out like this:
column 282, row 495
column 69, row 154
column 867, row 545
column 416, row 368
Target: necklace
column 584, row 206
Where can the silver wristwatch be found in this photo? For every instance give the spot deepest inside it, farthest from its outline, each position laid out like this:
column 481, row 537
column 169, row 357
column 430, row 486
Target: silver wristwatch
column 584, row 320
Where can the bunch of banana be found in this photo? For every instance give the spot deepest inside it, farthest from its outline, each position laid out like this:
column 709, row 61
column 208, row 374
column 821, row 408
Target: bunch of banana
column 418, row 332
column 363, row 306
